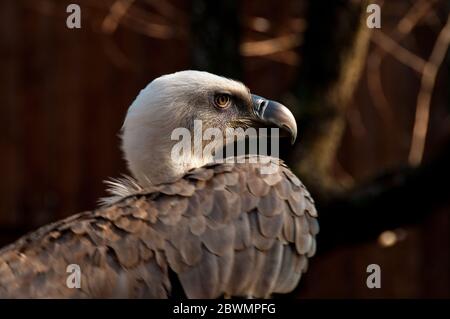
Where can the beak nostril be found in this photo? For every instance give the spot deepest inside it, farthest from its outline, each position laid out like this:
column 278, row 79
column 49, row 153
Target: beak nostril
column 274, row 113
column 262, row 106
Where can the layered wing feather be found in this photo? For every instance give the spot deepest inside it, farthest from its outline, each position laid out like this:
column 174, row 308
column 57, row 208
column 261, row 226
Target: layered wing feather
column 223, row 229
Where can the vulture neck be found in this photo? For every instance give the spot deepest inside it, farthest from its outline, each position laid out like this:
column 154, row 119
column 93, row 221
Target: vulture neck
column 158, row 165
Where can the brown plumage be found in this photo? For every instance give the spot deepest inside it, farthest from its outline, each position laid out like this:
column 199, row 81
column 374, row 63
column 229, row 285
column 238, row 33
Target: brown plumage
column 235, row 229
column 247, row 235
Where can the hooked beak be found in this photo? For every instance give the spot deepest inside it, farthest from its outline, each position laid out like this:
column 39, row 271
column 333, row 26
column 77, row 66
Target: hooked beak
column 274, row 113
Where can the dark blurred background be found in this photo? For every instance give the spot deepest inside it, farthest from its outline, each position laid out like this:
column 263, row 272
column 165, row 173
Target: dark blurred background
column 372, row 105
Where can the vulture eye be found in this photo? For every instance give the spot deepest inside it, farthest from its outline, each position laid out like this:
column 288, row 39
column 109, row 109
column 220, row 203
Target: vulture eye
column 222, row 100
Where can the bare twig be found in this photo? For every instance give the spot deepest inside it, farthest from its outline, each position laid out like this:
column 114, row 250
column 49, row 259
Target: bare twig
column 123, row 12
column 152, row 30
column 415, row 14
column 271, row 46
column 397, row 51
column 428, row 81
column 116, row 12
column 419, row 10
column 167, row 9
column 279, row 49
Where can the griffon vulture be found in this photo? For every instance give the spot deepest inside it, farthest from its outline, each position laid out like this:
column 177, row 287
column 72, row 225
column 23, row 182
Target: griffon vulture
column 212, row 228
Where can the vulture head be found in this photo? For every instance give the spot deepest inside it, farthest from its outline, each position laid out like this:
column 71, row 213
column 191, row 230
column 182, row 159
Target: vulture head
column 178, row 100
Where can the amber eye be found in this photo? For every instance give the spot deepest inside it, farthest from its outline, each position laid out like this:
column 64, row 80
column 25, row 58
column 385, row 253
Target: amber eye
column 222, row 100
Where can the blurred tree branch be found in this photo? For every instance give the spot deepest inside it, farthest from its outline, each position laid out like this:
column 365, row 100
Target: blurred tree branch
column 415, row 14
column 401, row 197
column 322, row 92
column 271, row 46
column 396, row 50
column 325, row 86
column 429, row 74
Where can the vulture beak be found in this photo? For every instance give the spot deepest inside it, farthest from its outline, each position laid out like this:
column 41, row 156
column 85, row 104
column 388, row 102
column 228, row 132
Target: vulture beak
column 273, row 113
